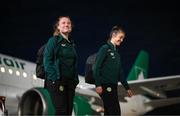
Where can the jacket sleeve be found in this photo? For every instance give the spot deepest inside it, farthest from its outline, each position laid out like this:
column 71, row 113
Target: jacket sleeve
column 122, row 78
column 98, row 63
column 48, row 60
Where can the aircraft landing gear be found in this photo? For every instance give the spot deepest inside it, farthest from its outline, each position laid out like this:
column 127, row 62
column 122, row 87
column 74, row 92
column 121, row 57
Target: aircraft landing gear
column 3, row 110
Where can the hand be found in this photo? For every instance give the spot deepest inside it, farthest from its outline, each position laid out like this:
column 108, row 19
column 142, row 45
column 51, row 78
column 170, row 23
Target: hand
column 99, row 90
column 130, row 93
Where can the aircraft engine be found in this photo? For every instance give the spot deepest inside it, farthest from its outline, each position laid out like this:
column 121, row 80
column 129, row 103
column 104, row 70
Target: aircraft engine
column 37, row 101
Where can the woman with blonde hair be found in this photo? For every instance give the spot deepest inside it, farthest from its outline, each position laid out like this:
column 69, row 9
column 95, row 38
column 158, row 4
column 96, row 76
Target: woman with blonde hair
column 60, row 63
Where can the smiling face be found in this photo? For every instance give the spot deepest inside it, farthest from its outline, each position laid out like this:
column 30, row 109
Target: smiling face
column 64, row 25
column 117, row 38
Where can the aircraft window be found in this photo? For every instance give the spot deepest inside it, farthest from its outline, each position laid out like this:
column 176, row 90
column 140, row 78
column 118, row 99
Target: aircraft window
column 24, row 74
column 34, row 77
column 17, row 73
column 2, row 69
column 10, row 71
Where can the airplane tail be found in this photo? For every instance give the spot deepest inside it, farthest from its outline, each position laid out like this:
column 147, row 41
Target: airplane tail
column 139, row 70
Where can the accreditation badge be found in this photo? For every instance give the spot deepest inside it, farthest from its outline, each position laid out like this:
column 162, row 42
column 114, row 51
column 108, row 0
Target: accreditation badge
column 112, row 54
column 63, row 45
column 109, row 89
column 61, row 88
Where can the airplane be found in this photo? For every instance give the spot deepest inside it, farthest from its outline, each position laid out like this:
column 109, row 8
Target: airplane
column 21, row 92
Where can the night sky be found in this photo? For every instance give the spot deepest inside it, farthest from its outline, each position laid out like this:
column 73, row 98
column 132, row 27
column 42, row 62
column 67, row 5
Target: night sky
column 154, row 27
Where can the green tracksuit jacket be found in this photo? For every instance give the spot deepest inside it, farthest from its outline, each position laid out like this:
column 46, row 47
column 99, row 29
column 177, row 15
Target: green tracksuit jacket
column 64, row 63
column 107, row 68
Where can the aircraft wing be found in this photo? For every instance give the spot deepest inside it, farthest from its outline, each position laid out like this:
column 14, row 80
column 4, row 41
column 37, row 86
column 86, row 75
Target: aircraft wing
column 163, row 102
column 154, row 87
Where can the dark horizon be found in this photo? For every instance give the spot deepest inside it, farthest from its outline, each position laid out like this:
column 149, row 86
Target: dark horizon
column 26, row 25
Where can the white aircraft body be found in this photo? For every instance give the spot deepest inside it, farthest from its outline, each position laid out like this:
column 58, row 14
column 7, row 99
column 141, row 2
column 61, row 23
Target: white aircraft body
column 17, row 76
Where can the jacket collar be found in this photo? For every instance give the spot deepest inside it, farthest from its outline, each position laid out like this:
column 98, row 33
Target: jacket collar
column 111, row 45
column 60, row 39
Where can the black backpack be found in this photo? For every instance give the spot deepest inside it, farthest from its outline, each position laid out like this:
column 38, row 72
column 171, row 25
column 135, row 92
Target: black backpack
column 40, row 72
column 89, row 68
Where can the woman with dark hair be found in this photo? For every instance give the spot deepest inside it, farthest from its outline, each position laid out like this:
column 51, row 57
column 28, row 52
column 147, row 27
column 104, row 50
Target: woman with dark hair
column 60, row 63
column 108, row 71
